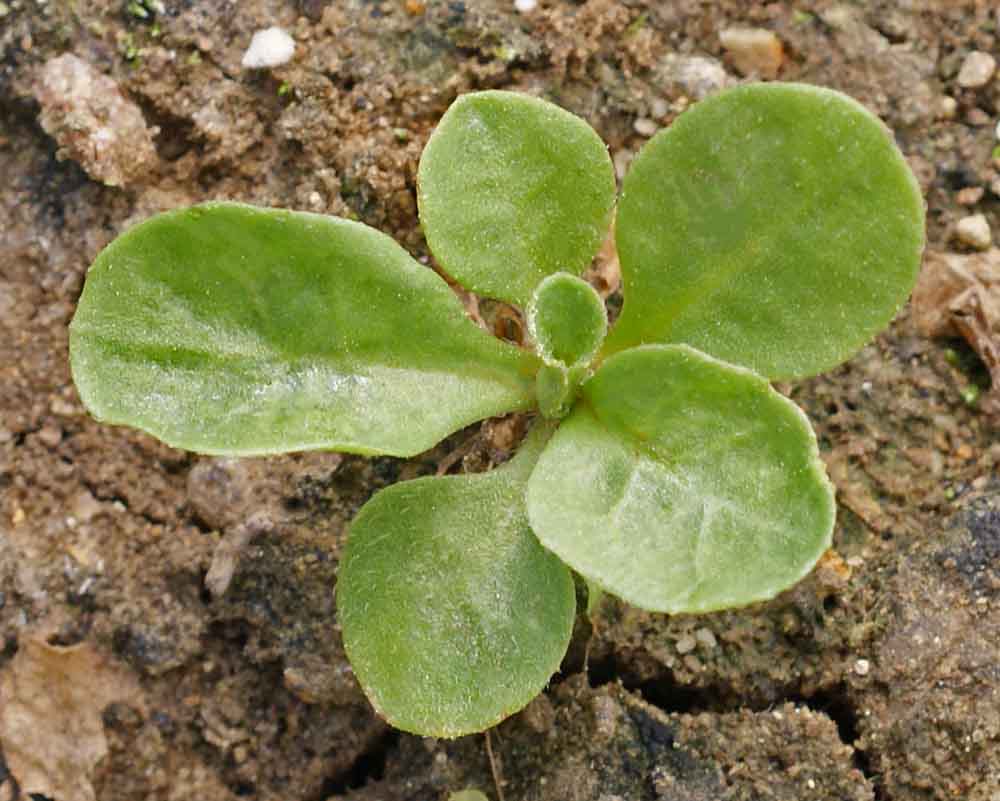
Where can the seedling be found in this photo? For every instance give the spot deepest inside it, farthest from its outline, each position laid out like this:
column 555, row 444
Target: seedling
column 767, row 234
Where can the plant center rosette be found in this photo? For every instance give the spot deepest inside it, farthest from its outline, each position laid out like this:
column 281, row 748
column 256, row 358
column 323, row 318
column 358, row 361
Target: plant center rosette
column 767, row 234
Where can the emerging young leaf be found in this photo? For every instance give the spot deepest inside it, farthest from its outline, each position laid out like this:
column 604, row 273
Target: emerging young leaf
column 512, row 189
column 453, row 615
column 775, row 226
column 567, row 319
column 231, row 329
column 683, row 484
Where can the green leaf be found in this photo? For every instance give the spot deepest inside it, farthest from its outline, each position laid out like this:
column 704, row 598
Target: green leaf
column 512, row 189
column 453, row 615
column 775, row 226
column 567, row 319
column 682, row 484
column 231, row 329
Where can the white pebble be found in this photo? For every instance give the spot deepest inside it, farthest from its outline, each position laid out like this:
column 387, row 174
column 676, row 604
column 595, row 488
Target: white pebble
column 862, row 666
column 706, row 638
column 976, row 70
column 270, row 47
column 645, row 126
column 974, row 231
column 525, row 6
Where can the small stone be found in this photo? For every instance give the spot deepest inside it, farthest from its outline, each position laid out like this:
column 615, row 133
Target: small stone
column 974, row 231
column 947, row 108
column 697, row 77
column 994, row 188
column 270, row 47
column 525, row 6
column 754, row 50
column 686, row 644
column 92, row 122
column 969, row 196
column 862, row 666
column 62, row 408
column 50, row 436
column 705, row 637
column 645, row 126
column 977, row 118
column 85, row 507
column 976, row 70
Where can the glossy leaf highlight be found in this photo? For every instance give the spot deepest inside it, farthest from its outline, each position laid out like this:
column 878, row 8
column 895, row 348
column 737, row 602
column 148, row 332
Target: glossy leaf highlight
column 453, row 615
column 512, row 189
column 683, row 484
column 226, row 328
column 775, row 226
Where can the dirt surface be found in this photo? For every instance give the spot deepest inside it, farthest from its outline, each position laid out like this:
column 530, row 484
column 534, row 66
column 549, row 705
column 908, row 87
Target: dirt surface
column 876, row 678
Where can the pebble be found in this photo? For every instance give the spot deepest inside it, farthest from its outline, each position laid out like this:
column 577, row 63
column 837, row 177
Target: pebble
column 92, row 122
column 697, row 77
column 862, row 667
column 947, row 108
column 686, row 644
column 705, row 637
column 977, row 118
column 645, row 126
column 974, row 231
column 754, row 50
column 977, row 70
column 969, row 196
column 270, row 47
column 50, row 436
column 85, row 506
column 525, row 6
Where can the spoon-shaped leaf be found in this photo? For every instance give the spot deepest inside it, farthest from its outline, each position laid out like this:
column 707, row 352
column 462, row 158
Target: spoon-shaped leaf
column 226, row 328
column 453, row 615
column 512, row 189
column 682, row 484
column 775, row 226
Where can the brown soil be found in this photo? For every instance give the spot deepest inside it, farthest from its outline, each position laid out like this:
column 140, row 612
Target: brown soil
column 876, row 678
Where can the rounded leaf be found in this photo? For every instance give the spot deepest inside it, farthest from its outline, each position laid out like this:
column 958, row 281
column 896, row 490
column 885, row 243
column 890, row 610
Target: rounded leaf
column 776, row 226
column 683, row 484
column 453, row 615
column 512, row 189
column 567, row 319
column 231, row 329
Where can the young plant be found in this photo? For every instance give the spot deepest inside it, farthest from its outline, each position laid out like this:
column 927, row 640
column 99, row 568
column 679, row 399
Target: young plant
column 767, row 234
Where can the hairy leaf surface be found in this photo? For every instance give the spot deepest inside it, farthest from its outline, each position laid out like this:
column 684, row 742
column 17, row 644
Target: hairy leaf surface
column 453, row 615
column 512, row 189
column 567, row 319
column 683, row 484
column 775, row 226
column 226, row 328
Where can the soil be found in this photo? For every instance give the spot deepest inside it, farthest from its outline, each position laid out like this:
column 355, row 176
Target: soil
column 877, row 677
